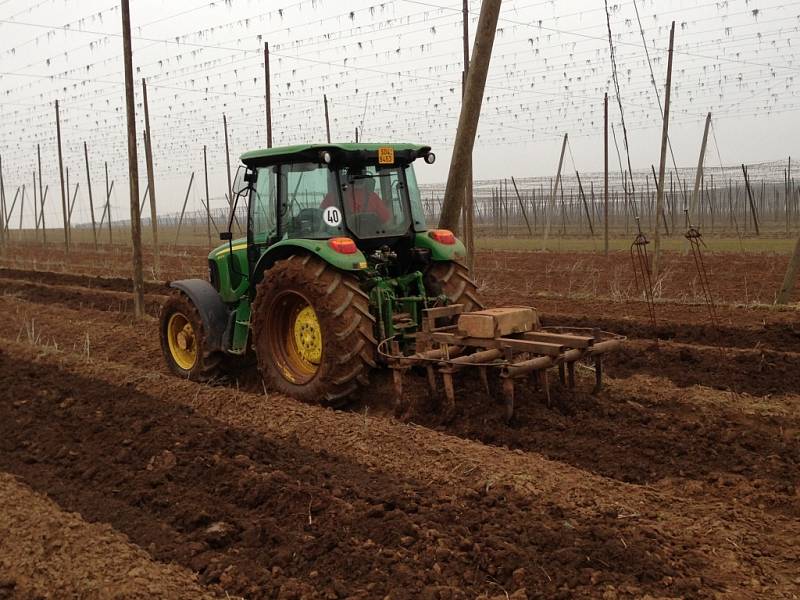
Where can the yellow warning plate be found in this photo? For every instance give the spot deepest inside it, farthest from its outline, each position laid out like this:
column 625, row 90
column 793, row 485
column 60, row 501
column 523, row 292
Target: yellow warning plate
column 385, row 156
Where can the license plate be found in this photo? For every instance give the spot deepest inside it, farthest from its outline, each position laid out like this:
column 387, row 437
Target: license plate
column 385, row 156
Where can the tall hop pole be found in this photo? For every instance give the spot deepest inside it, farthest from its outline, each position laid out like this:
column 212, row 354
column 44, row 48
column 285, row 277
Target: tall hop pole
column 268, row 95
column 133, row 165
column 61, row 175
column 3, row 205
column 662, row 164
column 41, row 194
column 151, row 179
column 605, row 175
column 469, row 208
column 470, row 114
column 89, row 187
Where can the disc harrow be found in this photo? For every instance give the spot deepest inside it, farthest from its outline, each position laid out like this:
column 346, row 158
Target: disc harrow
column 509, row 341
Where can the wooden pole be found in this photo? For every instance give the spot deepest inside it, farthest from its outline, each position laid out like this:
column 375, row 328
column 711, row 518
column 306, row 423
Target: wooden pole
column 268, row 95
column 521, row 206
column 750, row 198
column 470, row 114
column 72, row 202
column 146, row 188
column 227, row 161
column 183, row 210
column 663, row 213
column 789, row 182
column 663, row 163
column 107, row 211
column 327, row 119
column 605, row 175
column 699, row 173
column 469, row 202
column 61, row 175
column 151, row 179
column 89, row 186
column 133, row 166
column 42, row 195
column 66, row 185
column 548, row 215
column 21, row 209
column 3, row 217
column 7, row 223
column 41, row 205
column 787, row 194
column 465, row 34
column 208, row 205
column 35, row 209
column 585, row 204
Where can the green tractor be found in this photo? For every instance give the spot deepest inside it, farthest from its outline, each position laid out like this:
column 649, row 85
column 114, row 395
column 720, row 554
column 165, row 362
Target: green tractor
column 337, row 259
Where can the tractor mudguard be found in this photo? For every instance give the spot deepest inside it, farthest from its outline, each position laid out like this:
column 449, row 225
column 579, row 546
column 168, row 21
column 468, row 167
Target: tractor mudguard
column 212, row 309
column 285, row 248
column 439, row 251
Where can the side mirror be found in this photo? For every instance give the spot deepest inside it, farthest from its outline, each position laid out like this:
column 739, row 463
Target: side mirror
column 225, row 236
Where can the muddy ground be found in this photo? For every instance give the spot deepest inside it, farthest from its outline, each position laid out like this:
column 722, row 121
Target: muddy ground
column 680, row 479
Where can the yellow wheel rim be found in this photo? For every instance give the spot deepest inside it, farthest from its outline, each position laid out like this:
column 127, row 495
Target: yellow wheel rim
column 182, row 341
column 308, row 336
column 294, row 337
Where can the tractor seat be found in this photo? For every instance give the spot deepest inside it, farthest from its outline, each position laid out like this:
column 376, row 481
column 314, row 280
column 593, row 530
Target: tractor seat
column 307, row 223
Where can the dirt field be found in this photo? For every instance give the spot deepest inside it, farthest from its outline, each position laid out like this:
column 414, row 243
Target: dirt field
column 681, row 479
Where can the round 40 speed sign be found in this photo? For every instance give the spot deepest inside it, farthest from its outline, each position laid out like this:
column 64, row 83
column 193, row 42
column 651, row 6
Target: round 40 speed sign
column 332, row 216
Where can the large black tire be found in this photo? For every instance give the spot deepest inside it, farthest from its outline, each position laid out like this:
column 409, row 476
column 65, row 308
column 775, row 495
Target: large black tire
column 452, row 279
column 181, row 323
column 344, row 348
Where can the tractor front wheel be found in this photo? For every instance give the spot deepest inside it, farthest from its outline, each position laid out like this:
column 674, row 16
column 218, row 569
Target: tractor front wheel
column 183, row 340
column 312, row 331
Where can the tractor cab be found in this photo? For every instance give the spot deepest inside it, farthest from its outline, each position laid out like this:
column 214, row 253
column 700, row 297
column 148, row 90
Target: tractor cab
column 367, row 193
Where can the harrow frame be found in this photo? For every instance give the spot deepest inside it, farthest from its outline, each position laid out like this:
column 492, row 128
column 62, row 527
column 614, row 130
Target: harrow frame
column 443, row 348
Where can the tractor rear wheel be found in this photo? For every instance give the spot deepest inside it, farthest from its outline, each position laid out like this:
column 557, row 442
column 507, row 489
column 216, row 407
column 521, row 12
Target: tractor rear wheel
column 312, row 331
column 452, row 279
column 183, row 340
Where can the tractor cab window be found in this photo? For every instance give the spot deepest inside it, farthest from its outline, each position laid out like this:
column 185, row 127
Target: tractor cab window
column 375, row 202
column 415, row 199
column 238, row 202
column 263, row 202
column 309, row 202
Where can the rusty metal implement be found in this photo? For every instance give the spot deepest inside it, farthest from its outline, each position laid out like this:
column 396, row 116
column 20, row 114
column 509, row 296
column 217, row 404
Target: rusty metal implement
column 519, row 349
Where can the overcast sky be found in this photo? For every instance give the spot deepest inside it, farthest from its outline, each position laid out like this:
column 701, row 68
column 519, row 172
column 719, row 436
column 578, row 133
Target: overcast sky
column 392, row 68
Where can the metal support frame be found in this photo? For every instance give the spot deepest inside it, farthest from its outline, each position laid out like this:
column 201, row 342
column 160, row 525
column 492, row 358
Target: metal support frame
column 515, row 357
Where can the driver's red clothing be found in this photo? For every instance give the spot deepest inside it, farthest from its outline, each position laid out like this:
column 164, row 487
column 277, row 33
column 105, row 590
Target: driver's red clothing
column 360, row 201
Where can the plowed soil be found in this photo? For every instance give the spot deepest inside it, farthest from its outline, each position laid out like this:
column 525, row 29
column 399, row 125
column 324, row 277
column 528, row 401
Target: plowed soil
column 680, row 479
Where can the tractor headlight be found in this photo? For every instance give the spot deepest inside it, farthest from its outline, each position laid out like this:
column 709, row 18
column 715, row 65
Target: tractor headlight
column 326, row 157
column 430, row 158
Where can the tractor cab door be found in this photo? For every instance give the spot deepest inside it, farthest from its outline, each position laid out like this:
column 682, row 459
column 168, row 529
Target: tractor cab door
column 262, row 226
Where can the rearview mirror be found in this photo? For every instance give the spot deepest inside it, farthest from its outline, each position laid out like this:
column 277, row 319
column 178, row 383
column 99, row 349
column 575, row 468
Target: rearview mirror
column 225, row 236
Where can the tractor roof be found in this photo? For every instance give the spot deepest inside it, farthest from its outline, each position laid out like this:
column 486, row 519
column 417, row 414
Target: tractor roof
column 343, row 153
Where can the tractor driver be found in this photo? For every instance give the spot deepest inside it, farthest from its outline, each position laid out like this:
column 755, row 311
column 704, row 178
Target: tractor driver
column 360, row 197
